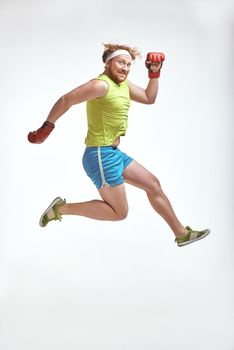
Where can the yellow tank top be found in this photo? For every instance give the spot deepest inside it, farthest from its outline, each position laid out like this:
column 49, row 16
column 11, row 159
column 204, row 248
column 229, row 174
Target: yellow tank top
column 108, row 115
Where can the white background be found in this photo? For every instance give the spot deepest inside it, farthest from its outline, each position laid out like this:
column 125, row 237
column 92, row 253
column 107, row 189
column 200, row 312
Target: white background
column 84, row 284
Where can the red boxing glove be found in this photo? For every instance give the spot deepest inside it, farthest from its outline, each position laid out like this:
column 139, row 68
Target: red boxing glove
column 41, row 134
column 154, row 61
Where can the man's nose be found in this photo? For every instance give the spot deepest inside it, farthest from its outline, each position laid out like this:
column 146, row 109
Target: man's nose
column 125, row 68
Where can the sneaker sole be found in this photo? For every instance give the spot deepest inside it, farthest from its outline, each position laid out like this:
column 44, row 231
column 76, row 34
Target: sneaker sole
column 194, row 240
column 55, row 201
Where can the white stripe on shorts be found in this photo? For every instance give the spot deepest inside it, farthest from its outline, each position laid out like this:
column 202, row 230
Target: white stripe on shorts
column 104, row 182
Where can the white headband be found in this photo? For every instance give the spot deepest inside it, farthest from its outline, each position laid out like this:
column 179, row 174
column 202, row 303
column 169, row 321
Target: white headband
column 117, row 53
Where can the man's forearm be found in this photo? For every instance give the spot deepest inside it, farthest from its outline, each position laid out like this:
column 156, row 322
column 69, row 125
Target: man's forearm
column 152, row 90
column 59, row 108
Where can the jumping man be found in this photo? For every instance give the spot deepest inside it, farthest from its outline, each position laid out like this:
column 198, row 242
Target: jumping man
column 108, row 99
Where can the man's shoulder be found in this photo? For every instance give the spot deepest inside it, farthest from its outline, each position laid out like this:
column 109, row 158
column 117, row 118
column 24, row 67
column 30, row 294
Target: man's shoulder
column 99, row 84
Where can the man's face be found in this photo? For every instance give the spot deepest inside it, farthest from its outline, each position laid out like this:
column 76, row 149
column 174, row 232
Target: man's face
column 118, row 68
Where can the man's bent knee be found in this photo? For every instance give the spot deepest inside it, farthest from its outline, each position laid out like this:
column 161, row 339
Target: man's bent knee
column 154, row 187
column 121, row 215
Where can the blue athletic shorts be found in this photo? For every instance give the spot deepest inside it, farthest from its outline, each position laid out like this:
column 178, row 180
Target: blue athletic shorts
column 105, row 165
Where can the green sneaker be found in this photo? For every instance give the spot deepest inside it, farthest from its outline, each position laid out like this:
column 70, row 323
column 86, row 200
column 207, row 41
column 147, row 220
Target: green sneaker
column 192, row 236
column 52, row 212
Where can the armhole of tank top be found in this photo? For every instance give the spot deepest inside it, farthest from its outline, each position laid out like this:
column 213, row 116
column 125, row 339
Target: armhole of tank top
column 108, row 86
